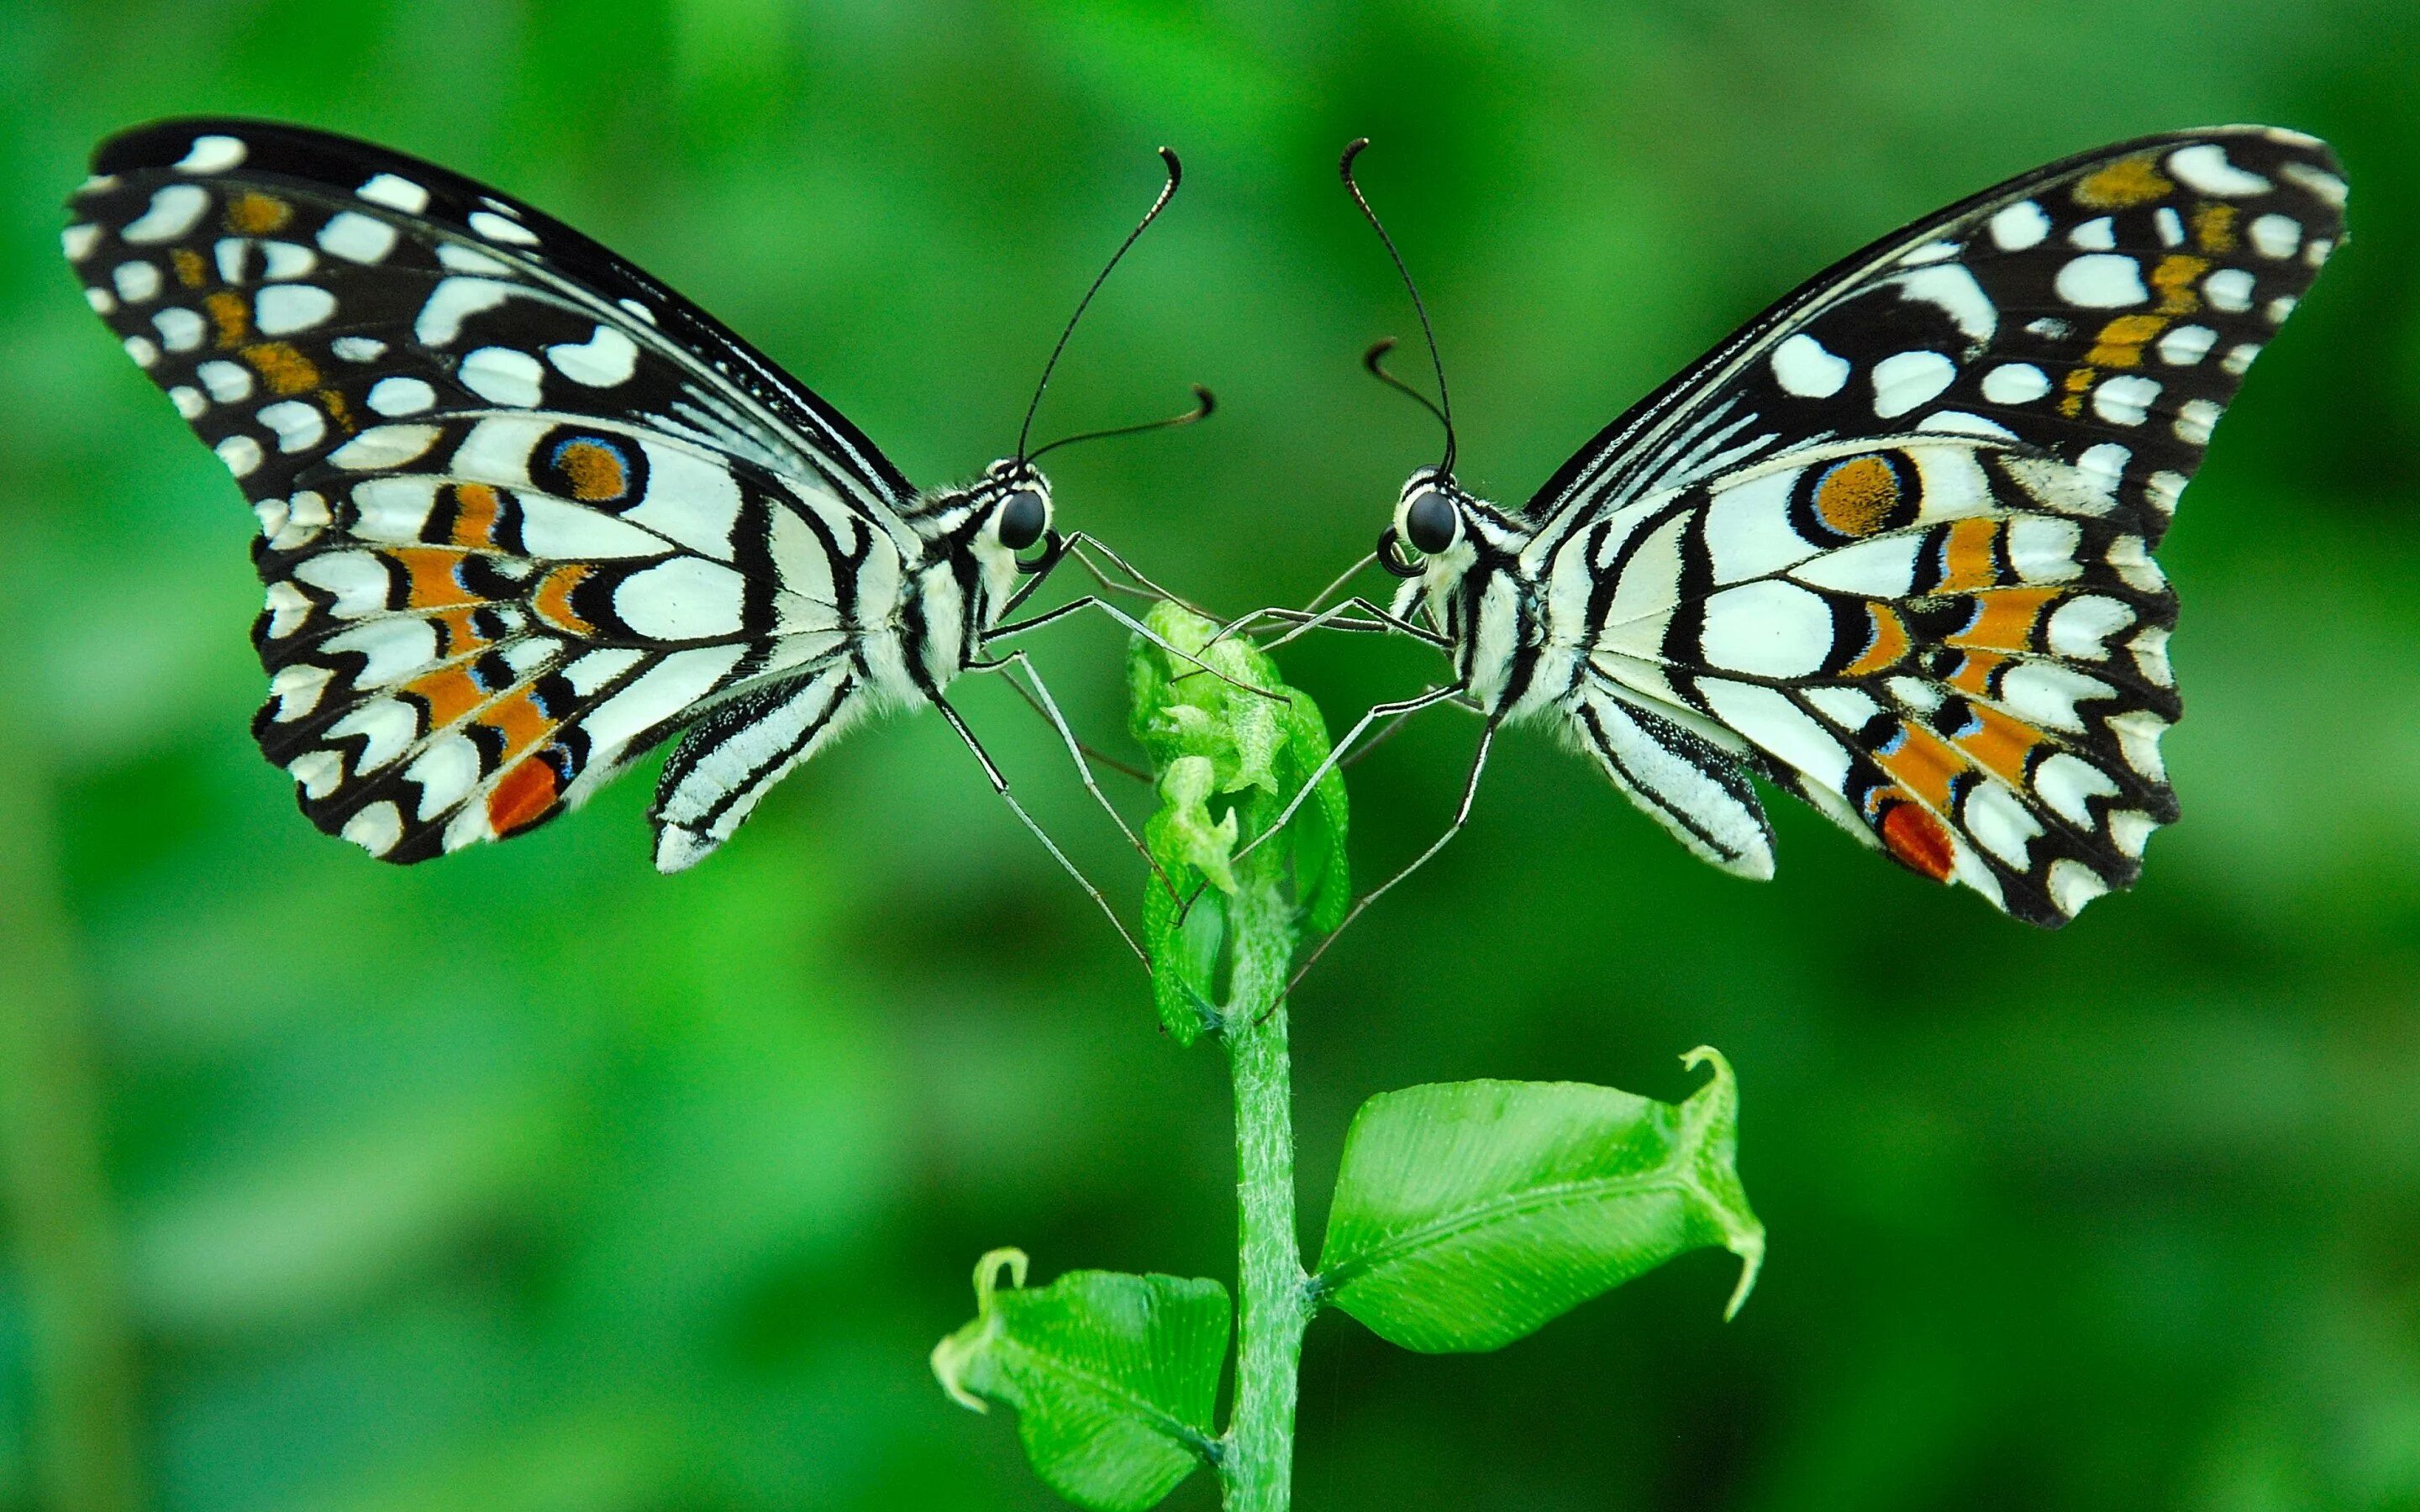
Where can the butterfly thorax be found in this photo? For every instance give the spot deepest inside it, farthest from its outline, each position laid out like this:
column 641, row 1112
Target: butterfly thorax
column 1482, row 593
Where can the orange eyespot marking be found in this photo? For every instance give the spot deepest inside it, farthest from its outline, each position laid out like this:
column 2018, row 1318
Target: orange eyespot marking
column 232, row 313
column 2126, row 182
column 2213, row 227
column 1856, row 496
column 2173, row 280
column 2004, row 620
column 524, row 796
column 2121, row 342
column 520, row 721
column 280, row 366
column 1922, row 762
column 552, row 602
column 434, row 577
column 448, row 695
column 597, row 470
column 1917, row 842
column 476, row 507
column 2001, row 746
column 256, row 214
column 1886, row 645
column 1968, row 561
column 1974, row 674
column 188, row 264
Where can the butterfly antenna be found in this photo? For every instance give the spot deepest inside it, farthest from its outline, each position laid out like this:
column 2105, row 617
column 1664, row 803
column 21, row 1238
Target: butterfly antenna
column 1167, row 192
column 1443, row 408
column 1206, row 403
column 1375, row 361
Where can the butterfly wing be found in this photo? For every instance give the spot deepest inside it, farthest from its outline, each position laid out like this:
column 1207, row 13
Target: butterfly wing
column 2103, row 309
column 1890, row 544
column 524, row 510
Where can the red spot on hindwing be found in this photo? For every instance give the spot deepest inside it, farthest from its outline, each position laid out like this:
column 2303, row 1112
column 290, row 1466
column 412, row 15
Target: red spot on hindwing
column 1916, row 841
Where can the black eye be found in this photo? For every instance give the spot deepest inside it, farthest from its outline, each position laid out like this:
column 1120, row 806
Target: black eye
column 1432, row 521
column 1022, row 520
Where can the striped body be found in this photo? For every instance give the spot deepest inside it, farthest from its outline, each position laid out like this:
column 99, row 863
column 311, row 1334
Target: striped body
column 1889, row 547
column 525, row 512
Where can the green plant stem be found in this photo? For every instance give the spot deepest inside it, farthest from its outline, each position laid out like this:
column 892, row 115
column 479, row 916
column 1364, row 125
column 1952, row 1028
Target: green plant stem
column 1257, row 1465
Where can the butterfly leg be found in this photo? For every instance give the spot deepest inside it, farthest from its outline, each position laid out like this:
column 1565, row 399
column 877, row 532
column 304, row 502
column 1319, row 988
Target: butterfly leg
column 1094, row 601
column 1000, row 785
column 1377, row 711
column 1380, row 619
column 1075, row 751
column 1461, row 818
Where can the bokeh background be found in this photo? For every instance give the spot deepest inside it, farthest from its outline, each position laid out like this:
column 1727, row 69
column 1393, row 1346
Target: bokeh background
column 533, row 1180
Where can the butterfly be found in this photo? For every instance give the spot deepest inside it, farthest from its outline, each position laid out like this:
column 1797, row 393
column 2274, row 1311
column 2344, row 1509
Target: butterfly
column 1889, row 546
column 526, row 512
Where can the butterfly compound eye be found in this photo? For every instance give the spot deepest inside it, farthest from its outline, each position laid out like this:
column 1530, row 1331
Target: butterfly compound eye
column 1430, row 522
column 1022, row 520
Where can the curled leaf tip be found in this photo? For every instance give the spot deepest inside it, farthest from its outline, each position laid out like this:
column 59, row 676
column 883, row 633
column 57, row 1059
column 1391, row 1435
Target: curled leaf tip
column 954, row 1354
column 1748, row 1246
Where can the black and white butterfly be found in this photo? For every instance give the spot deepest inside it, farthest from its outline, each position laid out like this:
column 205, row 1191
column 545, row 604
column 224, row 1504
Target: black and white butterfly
column 524, row 510
column 1889, row 545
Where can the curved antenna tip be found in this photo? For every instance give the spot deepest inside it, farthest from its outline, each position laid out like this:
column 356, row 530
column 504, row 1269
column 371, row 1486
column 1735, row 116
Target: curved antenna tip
column 1207, row 402
column 1352, row 151
column 1176, row 166
column 1377, row 354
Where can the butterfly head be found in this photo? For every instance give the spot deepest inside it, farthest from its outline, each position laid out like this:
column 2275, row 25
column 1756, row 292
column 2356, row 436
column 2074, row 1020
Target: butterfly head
column 1431, row 536
column 1017, row 502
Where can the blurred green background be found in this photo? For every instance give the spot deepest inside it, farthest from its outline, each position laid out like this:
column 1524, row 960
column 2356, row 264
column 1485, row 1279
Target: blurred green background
column 530, row 1180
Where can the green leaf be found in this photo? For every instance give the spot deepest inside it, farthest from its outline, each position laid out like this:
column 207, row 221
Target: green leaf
column 1114, row 1377
column 1323, row 877
column 1472, row 1214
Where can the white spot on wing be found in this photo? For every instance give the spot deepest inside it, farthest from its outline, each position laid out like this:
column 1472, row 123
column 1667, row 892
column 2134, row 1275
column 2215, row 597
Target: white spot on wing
column 357, row 237
column 2185, row 345
column 2100, row 281
column 189, row 402
column 496, row 228
column 2203, row 167
column 2275, row 235
column 2239, row 357
column 226, row 381
column 384, row 446
column 454, row 301
column 604, row 360
column 1907, row 379
column 299, row 425
column 2015, row 383
column 2229, row 289
column 396, row 192
column 2020, row 225
column 2097, row 235
column 685, row 599
column 212, row 154
column 101, row 301
column 174, row 210
column 2325, row 185
column 240, row 454
column 285, row 308
column 2066, row 782
column 358, row 348
column 1802, row 368
column 180, row 330
column 400, row 397
column 1768, row 629
column 376, row 828
column 2194, row 417
column 1999, row 823
column 1953, row 288
column 2081, row 627
column 502, row 376
column 2125, row 399
column 136, row 282
column 77, row 242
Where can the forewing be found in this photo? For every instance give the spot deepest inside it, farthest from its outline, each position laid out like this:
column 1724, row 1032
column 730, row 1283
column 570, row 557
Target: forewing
column 524, row 510
column 2102, row 310
column 1955, row 647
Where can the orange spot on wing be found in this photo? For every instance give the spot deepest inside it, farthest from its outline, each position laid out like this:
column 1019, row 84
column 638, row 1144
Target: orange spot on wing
column 552, row 602
column 1967, row 559
column 2078, row 381
column 1916, row 841
column 2004, row 619
column 525, row 795
column 1887, row 644
column 254, row 213
column 2002, row 746
column 434, row 577
column 449, row 695
column 1974, row 674
column 2121, row 342
column 280, row 366
column 2128, row 181
column 2213, row 227
column 188, row 264
column 520, row 720
column 338, row 410
column 595, row 471
column 232, row 313
column 1923, row 764
column 460, row 639
column 476, row 507
column 1857, row 496
column 2174, row 281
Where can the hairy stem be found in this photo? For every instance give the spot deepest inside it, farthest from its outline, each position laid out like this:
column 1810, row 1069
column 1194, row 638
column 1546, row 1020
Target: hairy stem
column 1258, row 1465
